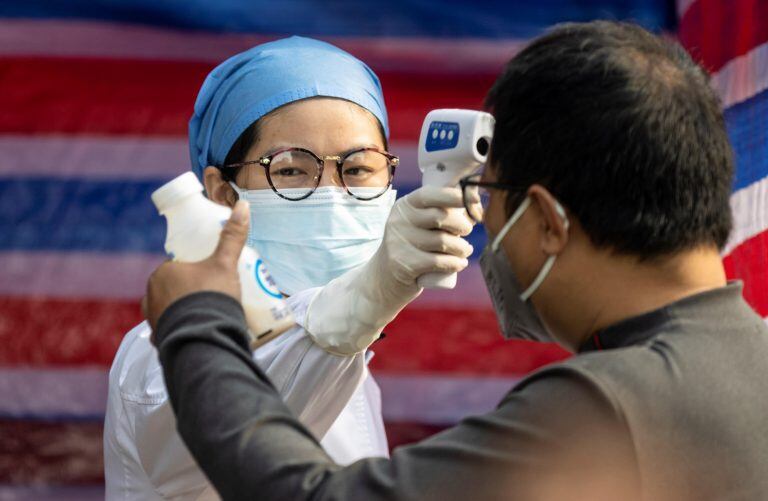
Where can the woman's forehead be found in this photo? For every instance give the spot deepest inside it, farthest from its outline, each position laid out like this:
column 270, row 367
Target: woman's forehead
column 325, row 123
column 320, row 108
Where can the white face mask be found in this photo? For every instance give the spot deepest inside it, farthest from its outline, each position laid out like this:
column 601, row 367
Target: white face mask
column 307, row 243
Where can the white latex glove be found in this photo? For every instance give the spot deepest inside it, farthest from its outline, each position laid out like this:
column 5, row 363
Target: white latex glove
column 349, row 313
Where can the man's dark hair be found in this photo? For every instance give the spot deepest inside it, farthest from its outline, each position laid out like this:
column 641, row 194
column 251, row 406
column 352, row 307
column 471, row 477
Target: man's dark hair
column 623, row 128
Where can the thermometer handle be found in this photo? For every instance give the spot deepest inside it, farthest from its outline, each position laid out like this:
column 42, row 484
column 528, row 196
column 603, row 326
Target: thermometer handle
column 437, row 280
column 441, row 176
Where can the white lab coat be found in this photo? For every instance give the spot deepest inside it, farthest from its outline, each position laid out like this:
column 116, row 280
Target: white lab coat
column 144, row 457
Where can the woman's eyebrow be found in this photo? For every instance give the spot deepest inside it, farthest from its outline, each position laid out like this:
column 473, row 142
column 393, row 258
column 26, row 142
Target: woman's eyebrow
column 275, row 149
column 360, row 146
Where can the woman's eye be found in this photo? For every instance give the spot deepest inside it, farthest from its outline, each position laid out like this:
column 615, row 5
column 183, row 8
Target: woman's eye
column 289, row 171
column 357, row 171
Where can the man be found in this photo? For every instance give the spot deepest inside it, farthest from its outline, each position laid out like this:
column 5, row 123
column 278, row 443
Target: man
column 609, row 179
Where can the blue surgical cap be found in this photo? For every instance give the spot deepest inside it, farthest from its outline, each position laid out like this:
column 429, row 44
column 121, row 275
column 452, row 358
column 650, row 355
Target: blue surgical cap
column 249, row 85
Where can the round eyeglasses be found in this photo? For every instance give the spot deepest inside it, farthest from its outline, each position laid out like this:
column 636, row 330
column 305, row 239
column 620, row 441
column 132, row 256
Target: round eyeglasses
column 295, row 173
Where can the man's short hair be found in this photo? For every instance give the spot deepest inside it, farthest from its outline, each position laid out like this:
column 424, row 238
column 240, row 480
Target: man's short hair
column 622, row 127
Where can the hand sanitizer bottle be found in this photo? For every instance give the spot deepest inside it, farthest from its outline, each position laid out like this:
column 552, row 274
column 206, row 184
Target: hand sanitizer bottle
column 194, row 227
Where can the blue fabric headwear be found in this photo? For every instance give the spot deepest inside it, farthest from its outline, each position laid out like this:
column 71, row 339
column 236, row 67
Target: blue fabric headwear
column 249, row 85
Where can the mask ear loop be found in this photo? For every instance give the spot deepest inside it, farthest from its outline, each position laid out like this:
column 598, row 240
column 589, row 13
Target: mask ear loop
column 237, row 189
column 527, row 293
column 539, row 278
column 512, row 220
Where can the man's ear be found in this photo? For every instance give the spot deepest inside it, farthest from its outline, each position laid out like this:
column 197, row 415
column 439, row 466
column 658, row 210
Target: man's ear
column 552, row 218
column 217, row 188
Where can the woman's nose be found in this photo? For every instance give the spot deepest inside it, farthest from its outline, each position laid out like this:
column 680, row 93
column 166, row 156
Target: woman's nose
column 330, row 175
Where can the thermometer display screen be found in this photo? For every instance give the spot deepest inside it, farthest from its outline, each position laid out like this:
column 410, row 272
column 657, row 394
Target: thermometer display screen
column 442, row 136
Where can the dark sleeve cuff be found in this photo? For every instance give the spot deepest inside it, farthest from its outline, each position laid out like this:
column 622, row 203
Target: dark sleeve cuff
column 201, row 306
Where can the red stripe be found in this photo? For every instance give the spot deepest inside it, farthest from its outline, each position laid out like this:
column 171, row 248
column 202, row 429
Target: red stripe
column 399, row 433
column 147, row 97
column 50, row 453
column 749, row 262
column 716, row 31
column 45, row 332
column 45, row 95
column 71, row 453
column 457, row 341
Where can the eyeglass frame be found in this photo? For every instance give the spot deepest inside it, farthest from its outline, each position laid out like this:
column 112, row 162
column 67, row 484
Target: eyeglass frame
column 466, row 181
column 392, row 160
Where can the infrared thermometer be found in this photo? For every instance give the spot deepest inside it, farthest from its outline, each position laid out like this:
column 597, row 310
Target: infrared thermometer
column 453, row 144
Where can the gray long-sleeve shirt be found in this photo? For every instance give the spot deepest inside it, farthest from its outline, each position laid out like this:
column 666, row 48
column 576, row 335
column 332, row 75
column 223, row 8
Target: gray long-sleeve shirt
column 672, row 404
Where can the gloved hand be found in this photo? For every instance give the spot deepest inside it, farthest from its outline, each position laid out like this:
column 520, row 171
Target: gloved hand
column 350, row 312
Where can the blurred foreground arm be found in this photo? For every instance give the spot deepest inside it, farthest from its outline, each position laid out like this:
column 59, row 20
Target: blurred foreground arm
column 557, row 437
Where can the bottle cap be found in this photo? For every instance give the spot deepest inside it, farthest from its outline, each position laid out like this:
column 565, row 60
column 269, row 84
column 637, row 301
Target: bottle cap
column 175, row 190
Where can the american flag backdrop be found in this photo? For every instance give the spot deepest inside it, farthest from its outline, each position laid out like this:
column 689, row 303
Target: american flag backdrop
column 730, row 38
column 95, row 96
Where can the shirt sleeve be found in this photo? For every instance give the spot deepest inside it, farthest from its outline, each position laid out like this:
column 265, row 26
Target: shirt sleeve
column 559, row 435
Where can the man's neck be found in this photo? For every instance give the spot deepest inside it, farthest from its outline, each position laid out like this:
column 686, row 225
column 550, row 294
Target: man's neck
column 630, row 288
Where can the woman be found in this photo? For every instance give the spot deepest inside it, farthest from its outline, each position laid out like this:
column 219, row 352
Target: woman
column 299, row 129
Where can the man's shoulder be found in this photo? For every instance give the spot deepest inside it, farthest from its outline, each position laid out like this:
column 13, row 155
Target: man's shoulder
column 596, row 363
column 606, row 375
column 136, row 371
column 610, row 362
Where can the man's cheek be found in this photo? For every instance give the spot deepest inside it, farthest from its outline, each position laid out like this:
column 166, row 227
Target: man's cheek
column 493, row 218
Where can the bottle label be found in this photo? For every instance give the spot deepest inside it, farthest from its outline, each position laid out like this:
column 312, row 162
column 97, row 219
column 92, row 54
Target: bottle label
column 265, row 280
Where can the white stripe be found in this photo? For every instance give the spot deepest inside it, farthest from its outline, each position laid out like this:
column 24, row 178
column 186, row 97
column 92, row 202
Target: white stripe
column 743, row 77
column 19, row 37
column 82, row 393
column 750, row 216
column 127, row 157
column 124, row 157
column 683, row 6
column 407, row 172
column 440, row 399
column 69, row 393
column 76, row 275
column 93, row 275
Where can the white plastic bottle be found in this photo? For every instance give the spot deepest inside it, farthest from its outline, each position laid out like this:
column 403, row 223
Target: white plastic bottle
column 194, row 227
